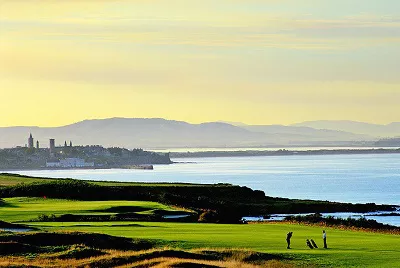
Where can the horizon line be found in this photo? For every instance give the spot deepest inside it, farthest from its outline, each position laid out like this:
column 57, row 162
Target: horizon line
column 233, row 123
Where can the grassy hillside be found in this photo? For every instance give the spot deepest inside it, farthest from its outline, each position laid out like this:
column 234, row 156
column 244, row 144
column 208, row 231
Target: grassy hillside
column 346, row 248
column 13, row 179
column 231, row 202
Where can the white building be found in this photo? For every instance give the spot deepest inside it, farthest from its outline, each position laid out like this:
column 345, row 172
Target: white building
column 53, row 164
column 70, row 163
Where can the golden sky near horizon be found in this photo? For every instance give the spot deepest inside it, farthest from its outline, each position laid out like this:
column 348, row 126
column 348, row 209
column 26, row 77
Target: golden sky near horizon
column 253, row 61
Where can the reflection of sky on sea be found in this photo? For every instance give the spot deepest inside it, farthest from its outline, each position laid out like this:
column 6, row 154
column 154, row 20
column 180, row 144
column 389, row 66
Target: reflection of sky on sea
column 391, row 220
column 347, row 178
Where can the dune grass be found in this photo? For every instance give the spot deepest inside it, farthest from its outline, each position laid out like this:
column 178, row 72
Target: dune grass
column 80, row 256
column 20, row 209
column 346, row 248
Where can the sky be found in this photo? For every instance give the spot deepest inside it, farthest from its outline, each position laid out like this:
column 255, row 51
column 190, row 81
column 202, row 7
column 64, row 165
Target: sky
column 251, row 61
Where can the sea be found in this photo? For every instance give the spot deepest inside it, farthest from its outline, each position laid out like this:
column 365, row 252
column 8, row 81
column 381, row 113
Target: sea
column 361, row 178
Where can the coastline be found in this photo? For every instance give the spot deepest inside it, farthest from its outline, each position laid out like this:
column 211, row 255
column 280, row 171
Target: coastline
column 138, row 167
column 282, row 152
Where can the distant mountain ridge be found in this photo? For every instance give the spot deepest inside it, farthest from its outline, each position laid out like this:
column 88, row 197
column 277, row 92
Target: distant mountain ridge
column 389, row 130
column 150, row 133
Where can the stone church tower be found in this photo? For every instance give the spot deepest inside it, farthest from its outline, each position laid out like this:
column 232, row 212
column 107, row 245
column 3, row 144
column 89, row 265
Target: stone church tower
column 30, row 141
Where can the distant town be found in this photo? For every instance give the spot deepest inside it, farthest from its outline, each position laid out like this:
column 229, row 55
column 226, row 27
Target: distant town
column 68, row 156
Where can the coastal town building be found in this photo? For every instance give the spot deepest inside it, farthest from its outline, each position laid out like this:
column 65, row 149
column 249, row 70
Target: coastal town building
column 69, row 163
column 84, row 156
column 52, row 145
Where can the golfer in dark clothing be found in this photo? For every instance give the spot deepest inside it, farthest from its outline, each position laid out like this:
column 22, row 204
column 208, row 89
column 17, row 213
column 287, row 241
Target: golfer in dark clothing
column 288, row 236
column 324, row 238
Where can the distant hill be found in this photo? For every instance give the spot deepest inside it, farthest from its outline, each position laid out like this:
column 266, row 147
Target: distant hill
column 161, row 133
column 394, row 142
column 390, row 130
column 307, row 133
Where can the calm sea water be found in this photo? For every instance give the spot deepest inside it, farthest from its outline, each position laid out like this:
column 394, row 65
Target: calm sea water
column 344, row 178
column 219, row 149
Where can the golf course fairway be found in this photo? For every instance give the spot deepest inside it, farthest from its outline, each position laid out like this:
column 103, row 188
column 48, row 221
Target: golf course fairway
column 346, row 248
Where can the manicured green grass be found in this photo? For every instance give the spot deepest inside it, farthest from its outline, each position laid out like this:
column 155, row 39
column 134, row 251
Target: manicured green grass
column 346, row 248
column 25, row 209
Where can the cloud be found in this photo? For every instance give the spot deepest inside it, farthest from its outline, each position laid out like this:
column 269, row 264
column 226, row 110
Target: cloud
column 188, row 42
column 195, row 23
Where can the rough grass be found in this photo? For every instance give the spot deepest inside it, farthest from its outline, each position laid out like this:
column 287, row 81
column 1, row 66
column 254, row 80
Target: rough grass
column 149, row 258
column 64, row 249
column 79, row 252
column 26, row 209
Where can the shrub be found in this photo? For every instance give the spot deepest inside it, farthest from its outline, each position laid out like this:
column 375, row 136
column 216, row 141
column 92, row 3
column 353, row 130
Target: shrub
column 208, row 216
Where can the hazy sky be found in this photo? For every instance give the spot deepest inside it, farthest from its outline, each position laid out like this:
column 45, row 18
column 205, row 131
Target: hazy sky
column 254, row 61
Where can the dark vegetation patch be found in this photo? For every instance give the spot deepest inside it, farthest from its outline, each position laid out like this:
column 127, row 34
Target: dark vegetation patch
column 158, row 216
column 123, row 209
column 15, row 248
column 349, row 222
column 163, row 212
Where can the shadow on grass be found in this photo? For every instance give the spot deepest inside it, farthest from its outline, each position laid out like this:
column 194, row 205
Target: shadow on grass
column 5, row 204
column 100, row 241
